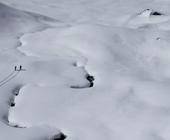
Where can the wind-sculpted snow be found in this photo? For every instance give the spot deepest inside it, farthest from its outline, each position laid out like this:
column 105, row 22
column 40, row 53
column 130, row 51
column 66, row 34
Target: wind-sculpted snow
column 94, row 70
column 130, row 94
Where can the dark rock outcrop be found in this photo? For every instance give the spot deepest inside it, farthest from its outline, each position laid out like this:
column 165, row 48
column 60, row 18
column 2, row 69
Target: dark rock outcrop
column 59, row 136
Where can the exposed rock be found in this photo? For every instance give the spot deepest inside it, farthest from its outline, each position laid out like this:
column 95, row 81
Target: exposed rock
column 12, row 104
column 150, row 12
column 90, row 79
column 59, row 136
column 156, row 13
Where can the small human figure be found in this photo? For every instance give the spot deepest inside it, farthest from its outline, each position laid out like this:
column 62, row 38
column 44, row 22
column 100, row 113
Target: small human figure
column 15, row 68
column 20, row 67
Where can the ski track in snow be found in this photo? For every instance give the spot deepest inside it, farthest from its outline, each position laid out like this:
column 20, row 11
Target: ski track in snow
column 129, row 78
column 17, row 89
column 15, row 92
column 123, row 100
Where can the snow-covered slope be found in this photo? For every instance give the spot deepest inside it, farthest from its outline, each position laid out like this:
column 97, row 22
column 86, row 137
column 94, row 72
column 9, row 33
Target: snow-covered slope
column 102, row 72
column 14, row 23
column 128, row 66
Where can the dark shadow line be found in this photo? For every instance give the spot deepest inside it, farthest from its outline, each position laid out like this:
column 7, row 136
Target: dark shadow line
column 7, row 77
column 10, row 79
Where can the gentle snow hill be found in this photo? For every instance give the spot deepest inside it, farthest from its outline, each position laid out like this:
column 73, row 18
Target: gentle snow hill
column 129, row 66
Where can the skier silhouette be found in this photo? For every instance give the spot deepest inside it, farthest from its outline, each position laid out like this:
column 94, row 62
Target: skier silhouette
column 20, row 67
column 15, row 68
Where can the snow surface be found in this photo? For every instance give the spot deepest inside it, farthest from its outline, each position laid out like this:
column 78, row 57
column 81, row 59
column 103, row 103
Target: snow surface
column 122, row 44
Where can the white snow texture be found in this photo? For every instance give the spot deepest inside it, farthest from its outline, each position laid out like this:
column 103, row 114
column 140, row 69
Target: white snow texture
column 90, row 69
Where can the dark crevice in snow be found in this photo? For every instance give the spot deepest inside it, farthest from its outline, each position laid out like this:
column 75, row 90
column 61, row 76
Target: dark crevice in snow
column 59, row 136
column 15, row 125
column 12, row 104
column 150, row 12
column 91, row 79
column 78, row 87
column 88, row 77
column 156, row 13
